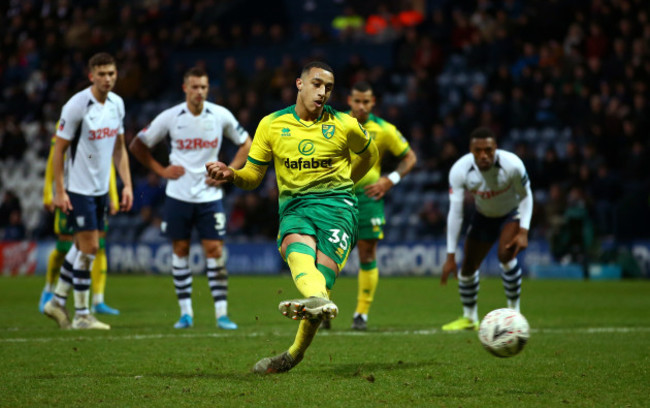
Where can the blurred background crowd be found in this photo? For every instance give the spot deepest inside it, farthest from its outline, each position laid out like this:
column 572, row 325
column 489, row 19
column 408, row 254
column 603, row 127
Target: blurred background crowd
column 564, row 84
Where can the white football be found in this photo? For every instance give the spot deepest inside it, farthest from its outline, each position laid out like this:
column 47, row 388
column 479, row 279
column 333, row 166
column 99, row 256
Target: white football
column 504, row 332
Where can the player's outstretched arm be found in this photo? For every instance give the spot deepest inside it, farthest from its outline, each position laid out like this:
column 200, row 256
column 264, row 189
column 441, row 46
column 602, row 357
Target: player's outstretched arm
column 449, row 268
column 61, row 199
column 237, row 162
column 242, row 153
column 366, row 159
column 454, row 223
column 142, row 153
column 121, row 160
column 247, row 178
column 380, row 188
column 520, row 241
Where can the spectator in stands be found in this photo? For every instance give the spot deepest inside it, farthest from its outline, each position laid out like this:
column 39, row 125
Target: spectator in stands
column 10, row 203
column 15, row 230
column 12, row 140
column 602, row 44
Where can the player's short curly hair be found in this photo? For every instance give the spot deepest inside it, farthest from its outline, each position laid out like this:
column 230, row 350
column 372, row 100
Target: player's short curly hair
column 482, row 133
column 99, row 59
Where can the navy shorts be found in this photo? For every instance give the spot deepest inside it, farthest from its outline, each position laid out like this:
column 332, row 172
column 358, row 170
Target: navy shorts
column 488, row 229
column 180, row 216
column 88, row 212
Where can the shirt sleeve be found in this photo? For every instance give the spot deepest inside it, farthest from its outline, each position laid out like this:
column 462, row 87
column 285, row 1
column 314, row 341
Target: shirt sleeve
column 398, row 145
column 522, row 186
column 156, row 131
column 49, row 175
column 455, row 216
column 71, row 117
column 358, row 138
column 261, row 152
column 233, row 130
column 122, row 113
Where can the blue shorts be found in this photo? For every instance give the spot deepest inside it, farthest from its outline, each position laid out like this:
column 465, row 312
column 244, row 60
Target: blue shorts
column 88, row 212
column 180, row 216
column 488, row 229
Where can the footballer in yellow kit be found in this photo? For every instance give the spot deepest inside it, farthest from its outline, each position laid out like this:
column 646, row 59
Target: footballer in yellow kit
column 311, row 146
column 312, row 164
column 370, row 191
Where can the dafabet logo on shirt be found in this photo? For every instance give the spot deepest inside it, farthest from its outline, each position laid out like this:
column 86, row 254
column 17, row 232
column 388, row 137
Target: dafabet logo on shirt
column 306, row 148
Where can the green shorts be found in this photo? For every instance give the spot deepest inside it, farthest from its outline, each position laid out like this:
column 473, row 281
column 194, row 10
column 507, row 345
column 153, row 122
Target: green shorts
column 63, row 227
column 371, row 217
column 331, row 221
column 61, row 224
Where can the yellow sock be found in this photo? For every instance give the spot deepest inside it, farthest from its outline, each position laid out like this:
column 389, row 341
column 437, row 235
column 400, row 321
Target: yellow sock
column 306, row 332
column 98, row 274
column 54, row 263
column 306, row 276
column 368, row 278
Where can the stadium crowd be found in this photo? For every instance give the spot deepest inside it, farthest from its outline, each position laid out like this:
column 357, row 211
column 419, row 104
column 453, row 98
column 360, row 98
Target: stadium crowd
column 564, row 83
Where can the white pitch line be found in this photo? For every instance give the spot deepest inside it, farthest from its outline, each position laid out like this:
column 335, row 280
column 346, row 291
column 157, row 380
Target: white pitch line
column 430, row 332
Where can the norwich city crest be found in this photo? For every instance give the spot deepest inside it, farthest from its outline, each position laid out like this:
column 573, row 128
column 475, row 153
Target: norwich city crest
column 328, row 131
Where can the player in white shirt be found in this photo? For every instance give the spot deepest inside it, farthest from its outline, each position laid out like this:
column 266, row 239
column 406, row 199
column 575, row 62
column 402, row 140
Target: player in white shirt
column 90, row 133
column 196, row 128
column 504, row 206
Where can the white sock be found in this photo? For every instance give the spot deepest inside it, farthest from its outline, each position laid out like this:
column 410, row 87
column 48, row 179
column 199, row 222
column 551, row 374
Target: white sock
column 221, row 308
column 64, row 284
column 514, row 304
column 183, row 283
column 468, row 288
column 186, row 307
column 511, row 277
column 98, row 298
column 82, row 266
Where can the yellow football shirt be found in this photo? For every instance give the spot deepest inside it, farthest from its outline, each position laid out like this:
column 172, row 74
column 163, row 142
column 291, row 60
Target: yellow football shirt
column 387, row 139
column 311, row 159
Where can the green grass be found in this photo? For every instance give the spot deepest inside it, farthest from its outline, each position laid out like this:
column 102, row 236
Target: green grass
column 590, row 346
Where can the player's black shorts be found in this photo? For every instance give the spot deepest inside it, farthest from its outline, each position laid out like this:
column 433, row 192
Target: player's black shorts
column 180, row 216
column 88, row 212
column 488, row 229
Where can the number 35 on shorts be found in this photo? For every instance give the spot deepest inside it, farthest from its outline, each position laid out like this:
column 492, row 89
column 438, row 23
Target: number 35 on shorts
column 338, row 238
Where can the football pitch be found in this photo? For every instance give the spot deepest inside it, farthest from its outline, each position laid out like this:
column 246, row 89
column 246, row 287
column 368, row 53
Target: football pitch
column 589, row 347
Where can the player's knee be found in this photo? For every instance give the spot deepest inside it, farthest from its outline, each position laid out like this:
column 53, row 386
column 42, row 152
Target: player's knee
column 366, row 257
column 85, row 260
column 505, row 256
column 213, row 251
column 181, row 249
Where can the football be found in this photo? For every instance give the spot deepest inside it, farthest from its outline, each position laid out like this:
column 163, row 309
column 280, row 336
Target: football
column 504, row 332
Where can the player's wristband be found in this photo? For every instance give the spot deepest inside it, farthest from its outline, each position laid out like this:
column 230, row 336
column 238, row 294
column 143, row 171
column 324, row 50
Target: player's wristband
column 394, row 177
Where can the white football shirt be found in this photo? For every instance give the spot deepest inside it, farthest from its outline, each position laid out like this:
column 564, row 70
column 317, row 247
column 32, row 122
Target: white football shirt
column 496, row 191
column 195, row 140
column 91, row 127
